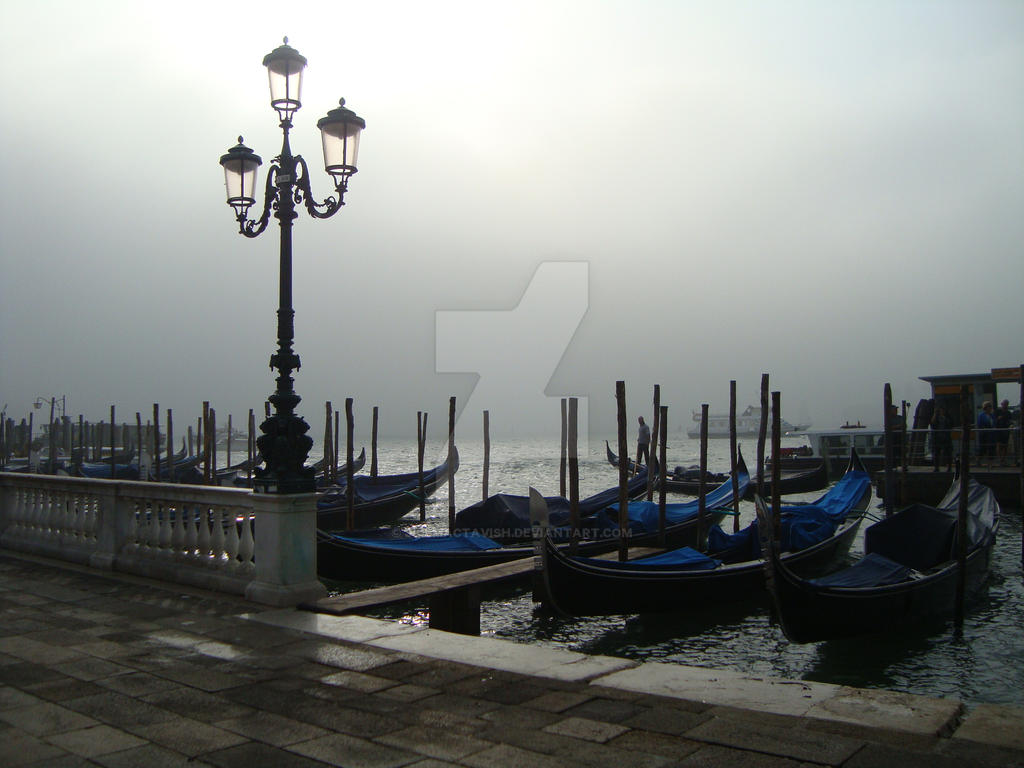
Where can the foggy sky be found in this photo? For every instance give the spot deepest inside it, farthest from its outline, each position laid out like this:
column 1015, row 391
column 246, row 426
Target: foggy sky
column 827, row 192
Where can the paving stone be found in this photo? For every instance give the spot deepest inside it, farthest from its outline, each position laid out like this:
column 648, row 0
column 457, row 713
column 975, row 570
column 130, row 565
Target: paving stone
column 605, row 709
column 18, row 748
column 409, row 692
column 521, row 717
column 721, row 757
column 655, row 744
column 665, row 720
column 558, row 701
column 339, row 749
column 507, row 756
column 357, row 681
column 190, row 737
column 88, row 668
column 64, row 689
column 462, row 705
column 36, row 652
column 46, row 718
column 433, row 742
column 885, row 756
column 117, row 710
column 196, row 676
column 344, row 719
column 272, row 729
column 253, row 754
column 12, row 698
column 794, row 743
column 98, row 740
column 1000, row 726
column 136, row 684
column 605, row 756
column 198, row 705
column 584, row 728
column 146, row 756
column 336, row 655
column 59, row 636
column 439, row 720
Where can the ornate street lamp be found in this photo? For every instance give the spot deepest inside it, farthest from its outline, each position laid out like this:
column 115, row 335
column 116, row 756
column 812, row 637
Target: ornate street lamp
column 284, row 444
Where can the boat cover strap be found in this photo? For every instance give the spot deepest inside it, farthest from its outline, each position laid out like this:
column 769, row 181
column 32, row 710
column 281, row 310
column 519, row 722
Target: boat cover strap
column 460, row 542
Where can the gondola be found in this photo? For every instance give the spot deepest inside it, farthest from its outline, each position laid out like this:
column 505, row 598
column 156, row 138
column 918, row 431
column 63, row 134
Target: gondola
column 806, row 479
column 909, row 572
column 387, row 555
column 380, row 500
column 685, row 579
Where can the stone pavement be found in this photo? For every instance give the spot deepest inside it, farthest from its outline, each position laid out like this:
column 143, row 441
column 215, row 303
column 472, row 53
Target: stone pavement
column 105, row 670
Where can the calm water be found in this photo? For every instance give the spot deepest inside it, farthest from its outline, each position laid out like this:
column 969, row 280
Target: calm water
column 984, row 663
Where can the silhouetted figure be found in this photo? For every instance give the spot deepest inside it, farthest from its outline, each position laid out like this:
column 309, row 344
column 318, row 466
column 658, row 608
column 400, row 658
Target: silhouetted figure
column 643, row 443
column 942, row 439
column 1003, row 422
column 986, row 434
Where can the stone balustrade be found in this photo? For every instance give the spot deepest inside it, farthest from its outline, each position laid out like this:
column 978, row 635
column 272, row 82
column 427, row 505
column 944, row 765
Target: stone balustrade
column 188, row 534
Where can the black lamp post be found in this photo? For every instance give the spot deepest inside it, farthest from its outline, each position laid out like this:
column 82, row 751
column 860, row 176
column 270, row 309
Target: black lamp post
column 284, row 444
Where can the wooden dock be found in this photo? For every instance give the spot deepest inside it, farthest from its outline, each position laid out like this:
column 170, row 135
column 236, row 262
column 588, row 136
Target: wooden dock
column 924, row 485
column 454, row 599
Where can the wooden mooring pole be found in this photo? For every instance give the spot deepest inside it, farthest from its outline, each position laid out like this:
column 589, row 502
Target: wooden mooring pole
column 373, row 442
column 733, row 457
column 451, row 457
column 889, row 436
column 574, row 475
column 170, row 445
column 562, row 451
column 350, row 491
column 966, row 414
column 620, row 409
column 702, row 483
column 653, row 446
column 662, row 470
column 421, row 448
column 761, row 434
column 113, row 447
column 1019, row 440
column 776, row 465
column 487, row 454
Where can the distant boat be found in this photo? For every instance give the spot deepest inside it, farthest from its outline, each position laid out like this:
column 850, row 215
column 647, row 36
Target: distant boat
column 748, row 424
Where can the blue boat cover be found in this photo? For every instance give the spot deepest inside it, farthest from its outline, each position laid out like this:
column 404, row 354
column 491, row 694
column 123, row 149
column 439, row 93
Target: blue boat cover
column 507, row 516
column 873, row 570
column 682, row 559
column 463, row 542
column 803, row 525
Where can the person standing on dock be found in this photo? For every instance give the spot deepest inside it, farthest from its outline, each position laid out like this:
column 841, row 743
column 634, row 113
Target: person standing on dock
column 1003, row 422
column 986, row 434
column 643, row 443
column 942, row 439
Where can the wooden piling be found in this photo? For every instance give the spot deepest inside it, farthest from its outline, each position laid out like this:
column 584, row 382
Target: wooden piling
column 170, row 445
column 336, row 449
column 653, row 445
column 350, row 491
column 887, row 435
column 251, row 444
column 156, row 439
column 562, row 452
column 1019, row 444
column 761, row 434
column 487, row 453
column 113, row 447
column 421, row 447
column 966, row 418
column 206, row 441
column 703, row 482
column 662, row 471
column 143, row 475
column 733, row 457
column 227, row 448
column 212, row 452
column 373, row 442
column 451, row 457
column 620, row 408
column 574, row 474
column 329, row 462
column 776, row 464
